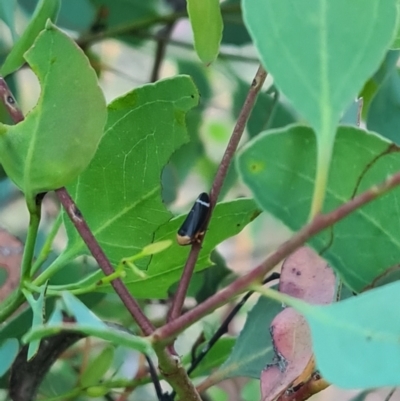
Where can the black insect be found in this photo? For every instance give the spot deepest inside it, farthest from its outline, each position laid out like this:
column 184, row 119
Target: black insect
column 193, row 227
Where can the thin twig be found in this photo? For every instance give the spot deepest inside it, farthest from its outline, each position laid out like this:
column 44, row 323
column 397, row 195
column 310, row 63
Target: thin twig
column 391, row 392
column 146, row 23
column 161, row 47
column 95, row 249
column 223, row 329
column 226, row 54
column 318, row 224
column 233, row 143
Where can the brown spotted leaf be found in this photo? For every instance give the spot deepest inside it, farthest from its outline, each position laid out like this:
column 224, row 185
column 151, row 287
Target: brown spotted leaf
column 305, row 275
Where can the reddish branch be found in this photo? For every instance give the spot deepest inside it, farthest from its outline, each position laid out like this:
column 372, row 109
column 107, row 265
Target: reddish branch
column 84, row 231
column 319, row 223
column 9, row 102
column 237, row 133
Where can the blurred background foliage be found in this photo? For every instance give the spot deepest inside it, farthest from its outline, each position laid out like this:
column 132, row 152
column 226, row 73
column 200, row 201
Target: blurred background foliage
column 130, row 43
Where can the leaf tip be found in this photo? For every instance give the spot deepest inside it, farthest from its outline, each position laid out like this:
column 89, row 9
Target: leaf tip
column 49, row 25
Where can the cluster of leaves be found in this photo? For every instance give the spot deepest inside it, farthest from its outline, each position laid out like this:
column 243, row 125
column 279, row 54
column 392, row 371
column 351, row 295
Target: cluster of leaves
column 124, row 162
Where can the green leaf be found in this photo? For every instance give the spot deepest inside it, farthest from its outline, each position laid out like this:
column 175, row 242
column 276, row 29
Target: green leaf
column 155, row 247
column 352, row 115
column 364, row 330
column 125, row 12
column 396, row 40
column 251, row 391
column 320, row 54
column 268, row 111
column 59, row 137
column 210, row 280
column 253, row 349
column 218, row 354
column 218, row 394
column 278, row 168
column 206, row 20
column 373, row 85
column 8, row 352
column 144, row 128
column 82, row 314
column 235, row 32
column 77, row 15
column 45, row 9
column 166, row 268
column 7, row 10
column 38, row 310
column 97, row 367
column 117, row 337
column 74, row 15
column 383, row 115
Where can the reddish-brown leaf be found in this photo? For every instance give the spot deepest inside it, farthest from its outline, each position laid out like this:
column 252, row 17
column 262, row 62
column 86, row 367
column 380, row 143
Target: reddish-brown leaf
column 10, row 261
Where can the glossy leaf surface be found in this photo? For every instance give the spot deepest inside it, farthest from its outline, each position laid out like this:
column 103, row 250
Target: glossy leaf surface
column 279, row 169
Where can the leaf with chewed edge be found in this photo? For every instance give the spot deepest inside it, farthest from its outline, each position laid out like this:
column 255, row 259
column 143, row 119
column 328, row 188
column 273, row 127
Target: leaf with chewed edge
column 144, row 128
column 305, row 275
column 59, row 137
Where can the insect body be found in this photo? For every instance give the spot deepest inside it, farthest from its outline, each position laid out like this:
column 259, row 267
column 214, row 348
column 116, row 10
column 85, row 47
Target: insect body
column 193, row 227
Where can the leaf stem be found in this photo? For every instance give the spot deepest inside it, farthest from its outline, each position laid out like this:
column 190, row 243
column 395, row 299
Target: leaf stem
column 34, row 221
column 46, row 249
column 325, row 146
column 318, row 224
column 11, row 304
column 230, row 150
column 55, row 266
column 143, row 24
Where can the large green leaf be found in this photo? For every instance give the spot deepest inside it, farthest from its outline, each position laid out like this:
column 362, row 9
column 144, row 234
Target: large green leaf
column 144, row 128
column 166, row 268
column 320, row 53
column 45, row 9
column 59, row 137
column 356, row 341
column 278, row 168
